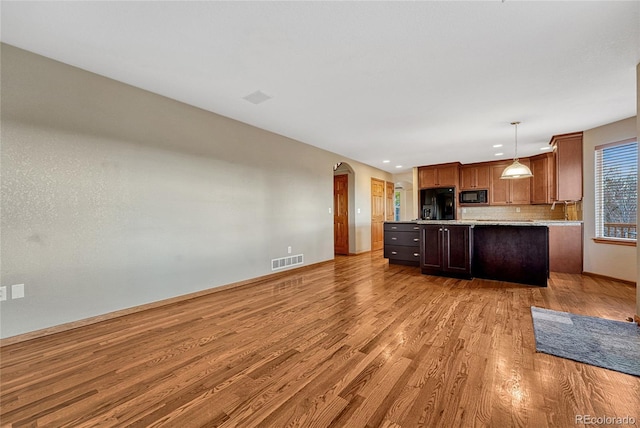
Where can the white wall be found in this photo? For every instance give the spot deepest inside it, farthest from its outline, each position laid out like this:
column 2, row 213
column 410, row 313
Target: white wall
column 114, row 197
column 616, row 261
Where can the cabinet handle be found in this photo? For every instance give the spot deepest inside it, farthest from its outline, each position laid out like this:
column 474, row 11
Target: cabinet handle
column 440, row 230
column 394, row 252
column 393, row 238
column 446, row 230
column 416, row 228
column 393, row 227
column 416, row 239
column 416, row 254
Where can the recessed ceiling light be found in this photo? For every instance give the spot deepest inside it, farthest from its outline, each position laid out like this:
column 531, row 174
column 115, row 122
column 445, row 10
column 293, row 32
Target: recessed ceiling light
column 495, row 146
column 498, row 154
column 398, row 166
column 386, row 161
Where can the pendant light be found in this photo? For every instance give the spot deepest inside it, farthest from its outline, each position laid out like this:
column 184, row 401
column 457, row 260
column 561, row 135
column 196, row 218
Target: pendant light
column 516, row 169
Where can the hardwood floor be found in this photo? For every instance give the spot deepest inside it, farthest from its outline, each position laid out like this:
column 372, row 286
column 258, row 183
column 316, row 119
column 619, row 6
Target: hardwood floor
column 353, row 343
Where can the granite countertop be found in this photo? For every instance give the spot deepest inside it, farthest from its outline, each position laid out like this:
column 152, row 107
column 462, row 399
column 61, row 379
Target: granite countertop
column 504, row 222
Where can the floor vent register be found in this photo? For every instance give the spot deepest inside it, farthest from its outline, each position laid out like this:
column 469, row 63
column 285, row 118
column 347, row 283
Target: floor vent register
column 285, row 262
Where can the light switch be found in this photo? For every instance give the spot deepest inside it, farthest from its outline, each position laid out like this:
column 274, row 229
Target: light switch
column 17, row 291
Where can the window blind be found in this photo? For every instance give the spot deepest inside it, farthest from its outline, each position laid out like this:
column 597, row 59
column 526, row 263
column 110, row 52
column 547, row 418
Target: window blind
column 616, row 189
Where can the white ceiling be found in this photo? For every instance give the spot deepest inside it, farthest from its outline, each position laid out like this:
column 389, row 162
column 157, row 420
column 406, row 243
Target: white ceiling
column 414, row 83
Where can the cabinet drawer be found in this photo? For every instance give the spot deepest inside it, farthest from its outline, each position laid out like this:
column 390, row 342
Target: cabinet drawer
column 402, row 227
column 410, row 239
column 393, row 252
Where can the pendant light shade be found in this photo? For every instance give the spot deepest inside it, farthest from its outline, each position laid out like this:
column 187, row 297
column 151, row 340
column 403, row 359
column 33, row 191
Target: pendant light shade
column 516, row 169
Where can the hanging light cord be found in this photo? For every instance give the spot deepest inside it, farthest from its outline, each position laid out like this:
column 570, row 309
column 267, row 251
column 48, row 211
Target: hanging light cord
column 516, row 125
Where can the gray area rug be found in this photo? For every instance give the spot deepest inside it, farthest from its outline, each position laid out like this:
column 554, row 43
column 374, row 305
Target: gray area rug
column 614, row 345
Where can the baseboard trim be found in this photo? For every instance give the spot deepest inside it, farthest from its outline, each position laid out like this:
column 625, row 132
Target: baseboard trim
column 153, row 305
column 597, row 275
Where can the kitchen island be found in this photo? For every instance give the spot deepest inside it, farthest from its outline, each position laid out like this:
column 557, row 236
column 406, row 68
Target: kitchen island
column 512, row 251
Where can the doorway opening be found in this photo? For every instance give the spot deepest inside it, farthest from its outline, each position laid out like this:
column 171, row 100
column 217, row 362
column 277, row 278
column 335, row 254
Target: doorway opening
column 343, row 202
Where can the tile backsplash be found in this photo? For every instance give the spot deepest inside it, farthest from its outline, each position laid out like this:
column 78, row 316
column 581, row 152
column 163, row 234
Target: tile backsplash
column 527, row 212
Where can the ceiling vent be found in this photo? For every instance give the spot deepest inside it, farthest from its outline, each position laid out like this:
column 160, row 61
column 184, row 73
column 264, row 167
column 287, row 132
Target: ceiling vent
column 258, row 97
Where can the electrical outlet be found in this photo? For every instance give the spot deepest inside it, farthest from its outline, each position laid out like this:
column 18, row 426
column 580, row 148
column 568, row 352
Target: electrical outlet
column 3, row 294
column 288, row 250
column 517, row 209
column 464, row 211
column 17, row 291
column 329, row 210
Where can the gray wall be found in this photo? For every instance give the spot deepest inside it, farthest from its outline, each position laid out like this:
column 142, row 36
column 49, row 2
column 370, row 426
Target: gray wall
column 615, row 261
column 113, row 197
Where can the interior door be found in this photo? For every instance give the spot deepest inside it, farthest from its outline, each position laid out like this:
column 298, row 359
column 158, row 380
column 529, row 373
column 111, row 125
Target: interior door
column 390, row 196
column 341, row 214
column 377, row 214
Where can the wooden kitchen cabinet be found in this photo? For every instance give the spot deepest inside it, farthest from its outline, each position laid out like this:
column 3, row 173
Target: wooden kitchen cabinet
column 568, row 166
column 511, row 191
column 543, row 188
column 565, row 249
column 402, row 243
column 475, row 176
column 446, row 250
column 443, row 175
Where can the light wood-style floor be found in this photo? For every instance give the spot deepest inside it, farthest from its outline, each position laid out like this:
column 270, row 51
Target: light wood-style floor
column 353, row 343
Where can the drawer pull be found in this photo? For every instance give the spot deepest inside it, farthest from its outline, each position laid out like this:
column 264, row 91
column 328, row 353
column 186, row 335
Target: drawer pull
column 393, row 227
column 416, row 228
column 394, row 238
column 416, row 254
column 394, row 252
column 416, row 239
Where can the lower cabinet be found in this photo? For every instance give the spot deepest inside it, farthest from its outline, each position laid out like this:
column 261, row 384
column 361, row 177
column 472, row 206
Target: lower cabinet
column 402, row 243
column 565, row 249
column 446, row 250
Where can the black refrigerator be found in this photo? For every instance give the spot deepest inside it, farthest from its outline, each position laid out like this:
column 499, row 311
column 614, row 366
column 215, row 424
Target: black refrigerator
column 438, row 203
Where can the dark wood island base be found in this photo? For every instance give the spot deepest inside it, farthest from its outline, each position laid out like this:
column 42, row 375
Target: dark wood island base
column 511, row 253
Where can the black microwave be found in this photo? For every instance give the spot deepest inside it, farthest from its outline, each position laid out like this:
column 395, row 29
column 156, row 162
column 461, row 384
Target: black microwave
column 473, row 197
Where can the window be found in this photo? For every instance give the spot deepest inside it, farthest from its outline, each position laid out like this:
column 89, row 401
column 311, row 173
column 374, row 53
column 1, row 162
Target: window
column 396, row 205
column 616, row 171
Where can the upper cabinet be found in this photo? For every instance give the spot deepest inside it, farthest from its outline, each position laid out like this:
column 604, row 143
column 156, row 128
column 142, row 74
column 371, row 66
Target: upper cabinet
column 568, row 166
column 475, row 176
column 557, row 176
column 543, row 186
column 443, row 175
column 508, row 191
